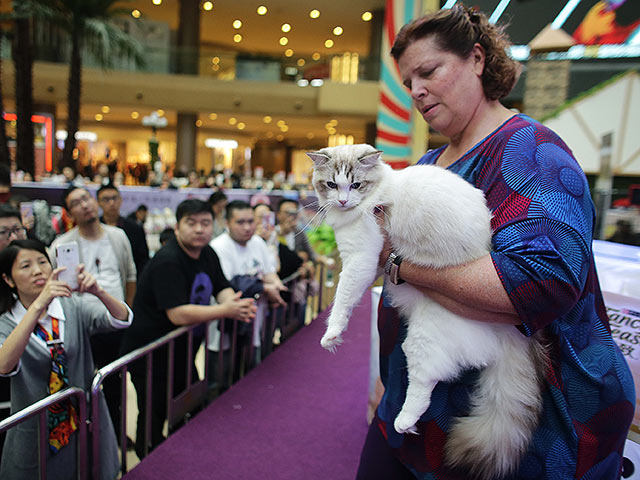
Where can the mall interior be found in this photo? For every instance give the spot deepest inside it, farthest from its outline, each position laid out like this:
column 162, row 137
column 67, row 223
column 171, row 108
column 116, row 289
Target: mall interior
column 231, row 95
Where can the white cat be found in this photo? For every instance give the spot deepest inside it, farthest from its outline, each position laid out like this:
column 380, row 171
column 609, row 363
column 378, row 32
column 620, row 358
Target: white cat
column 433, row 218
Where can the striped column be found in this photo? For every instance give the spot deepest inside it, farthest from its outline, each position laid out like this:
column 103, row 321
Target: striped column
column 394, row 109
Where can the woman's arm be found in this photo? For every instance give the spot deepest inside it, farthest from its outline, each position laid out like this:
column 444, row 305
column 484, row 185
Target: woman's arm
column 473, row 290
column 87, row 283
column 16, row 343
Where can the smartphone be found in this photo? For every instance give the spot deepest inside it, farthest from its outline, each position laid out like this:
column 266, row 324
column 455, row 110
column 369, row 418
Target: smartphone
column 67, row 255
column 26, row 214
column 268, row 220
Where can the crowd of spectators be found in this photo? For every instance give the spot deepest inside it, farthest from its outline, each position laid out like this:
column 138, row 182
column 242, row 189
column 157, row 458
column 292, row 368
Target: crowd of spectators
column 173, row 286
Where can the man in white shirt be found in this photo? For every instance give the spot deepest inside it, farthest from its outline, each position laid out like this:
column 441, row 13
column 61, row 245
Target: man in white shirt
column 241, row 252
column 106, row 253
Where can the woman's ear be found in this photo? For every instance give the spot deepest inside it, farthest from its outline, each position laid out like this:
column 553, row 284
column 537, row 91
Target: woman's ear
column 8, row 280
column 478, row 56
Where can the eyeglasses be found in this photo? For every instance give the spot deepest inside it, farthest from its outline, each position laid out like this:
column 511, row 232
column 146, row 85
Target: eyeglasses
column 290, row 213
column 78, row 201
column 19, row 232
column 108, row 199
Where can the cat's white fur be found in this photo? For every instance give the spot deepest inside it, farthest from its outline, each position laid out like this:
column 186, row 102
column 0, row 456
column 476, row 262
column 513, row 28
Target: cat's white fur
column 433, row 218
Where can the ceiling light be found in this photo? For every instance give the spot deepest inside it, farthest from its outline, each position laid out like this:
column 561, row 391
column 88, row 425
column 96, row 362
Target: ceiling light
column 135, row 115
column 338, row 31
column 156, row 2
column 136, row 13
column 262, row 10
column 233, row 121
column 301, row 62
column 286, row 28
column 367, row 16
column 198, row 123
column 280, row 138
column 215, row 67
column 284, row 41
column 213, row 116
column 241, row 126
column 160, row 112
column 99, row 117
column 269, row 134
column 314, row 13
column 288, row 52
column 237, row 38
column 267, row 119
column 215, row 60
column 237, row 24
column 328, row 43
column 106, row 109
column 207, row 6
column 315, row 56
column 284, row 128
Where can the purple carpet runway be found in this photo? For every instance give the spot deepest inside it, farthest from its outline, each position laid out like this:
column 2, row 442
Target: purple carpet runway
column 301, row 414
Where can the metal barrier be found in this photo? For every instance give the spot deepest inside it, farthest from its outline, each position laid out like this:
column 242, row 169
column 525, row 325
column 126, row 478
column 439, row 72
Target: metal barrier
column 40, row 408
column 288, row 320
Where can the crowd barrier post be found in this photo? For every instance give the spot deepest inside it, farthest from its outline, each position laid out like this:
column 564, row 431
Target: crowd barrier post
column 40, row 408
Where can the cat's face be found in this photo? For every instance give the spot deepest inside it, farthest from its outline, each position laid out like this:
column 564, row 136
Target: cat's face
column 342, row 176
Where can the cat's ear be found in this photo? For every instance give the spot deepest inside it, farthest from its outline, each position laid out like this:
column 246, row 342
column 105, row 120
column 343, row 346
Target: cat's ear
column 318, row 158
column 371, row 159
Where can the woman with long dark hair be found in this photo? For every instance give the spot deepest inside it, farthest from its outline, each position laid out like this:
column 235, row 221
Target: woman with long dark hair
column 44, row 347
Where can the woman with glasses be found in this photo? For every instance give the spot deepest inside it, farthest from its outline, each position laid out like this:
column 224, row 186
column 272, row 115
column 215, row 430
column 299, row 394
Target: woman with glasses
column 44, row 347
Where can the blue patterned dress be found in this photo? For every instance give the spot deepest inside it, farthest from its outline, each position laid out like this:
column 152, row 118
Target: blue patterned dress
column 543, row 220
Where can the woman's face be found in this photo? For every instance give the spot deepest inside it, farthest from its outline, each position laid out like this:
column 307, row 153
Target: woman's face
column 445, row 88
column 29, row 273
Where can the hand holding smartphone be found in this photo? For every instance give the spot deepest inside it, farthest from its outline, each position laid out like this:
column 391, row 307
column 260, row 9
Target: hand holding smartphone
column 26, row 215
column 67, row 255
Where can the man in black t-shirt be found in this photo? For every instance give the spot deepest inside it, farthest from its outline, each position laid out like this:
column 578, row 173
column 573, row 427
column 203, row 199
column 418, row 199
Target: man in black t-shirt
column 175, row 289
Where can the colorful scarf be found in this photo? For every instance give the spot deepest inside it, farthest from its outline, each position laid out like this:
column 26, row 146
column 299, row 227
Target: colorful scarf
column 63, row 418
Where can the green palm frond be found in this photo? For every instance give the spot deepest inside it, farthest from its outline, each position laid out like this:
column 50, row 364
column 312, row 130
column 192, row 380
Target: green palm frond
column 105, row 41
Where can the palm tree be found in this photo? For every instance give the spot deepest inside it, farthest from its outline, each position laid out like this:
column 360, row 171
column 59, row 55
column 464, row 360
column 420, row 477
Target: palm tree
column 22, row 54
column 90, row 25
column 5, row 157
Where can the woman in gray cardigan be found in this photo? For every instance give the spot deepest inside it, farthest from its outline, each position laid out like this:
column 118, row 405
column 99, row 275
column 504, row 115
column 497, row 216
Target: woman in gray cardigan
column 38, row 312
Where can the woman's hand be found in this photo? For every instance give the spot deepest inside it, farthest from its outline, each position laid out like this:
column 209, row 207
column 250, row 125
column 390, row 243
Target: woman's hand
column 52, row 289
column 87, row 283
column 387, row 248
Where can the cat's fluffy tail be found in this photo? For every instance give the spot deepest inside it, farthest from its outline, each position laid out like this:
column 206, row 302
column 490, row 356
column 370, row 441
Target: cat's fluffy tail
column 505, row 410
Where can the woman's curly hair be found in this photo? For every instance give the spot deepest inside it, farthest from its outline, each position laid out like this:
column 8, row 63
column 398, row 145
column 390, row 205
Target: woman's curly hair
column 457, row 30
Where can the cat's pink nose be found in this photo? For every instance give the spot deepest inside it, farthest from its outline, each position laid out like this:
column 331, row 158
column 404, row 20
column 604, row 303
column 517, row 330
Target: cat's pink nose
column 342, row 202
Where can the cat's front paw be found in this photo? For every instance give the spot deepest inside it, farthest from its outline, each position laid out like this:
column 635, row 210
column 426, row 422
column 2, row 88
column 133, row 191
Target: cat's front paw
column 405, row 423
column 331, row 339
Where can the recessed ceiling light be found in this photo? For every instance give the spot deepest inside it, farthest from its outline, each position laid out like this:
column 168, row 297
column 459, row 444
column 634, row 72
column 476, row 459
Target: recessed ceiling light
column 136, row 13
column 198, row 123
column 156, row 2
column 233, row 121
column 338, row 31
column 237, row 24
column 301, row 62
column 207, row 6
column 106, row 109
column 267, row 119
column 160, row 112
column 280, row 138
column 283, row 41
column 288, row 52
column 367, row 16
column 314, row 13
column 213, row 116
column 215, row 60
column 99, row 117
column 237, row 38
column 262, row 10
column 285, row 27
column 135, row 115
column 241, row 126
column 315, row 56
column 328, row 43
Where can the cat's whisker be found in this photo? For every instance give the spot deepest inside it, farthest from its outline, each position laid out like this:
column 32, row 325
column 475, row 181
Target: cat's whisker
column 322, row 212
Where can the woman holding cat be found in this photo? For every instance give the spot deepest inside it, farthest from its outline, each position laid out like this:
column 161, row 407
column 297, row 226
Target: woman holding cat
column 539, row 276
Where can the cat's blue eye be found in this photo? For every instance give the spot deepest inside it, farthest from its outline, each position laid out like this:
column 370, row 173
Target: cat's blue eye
column 356, row 185
column 331, row 185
